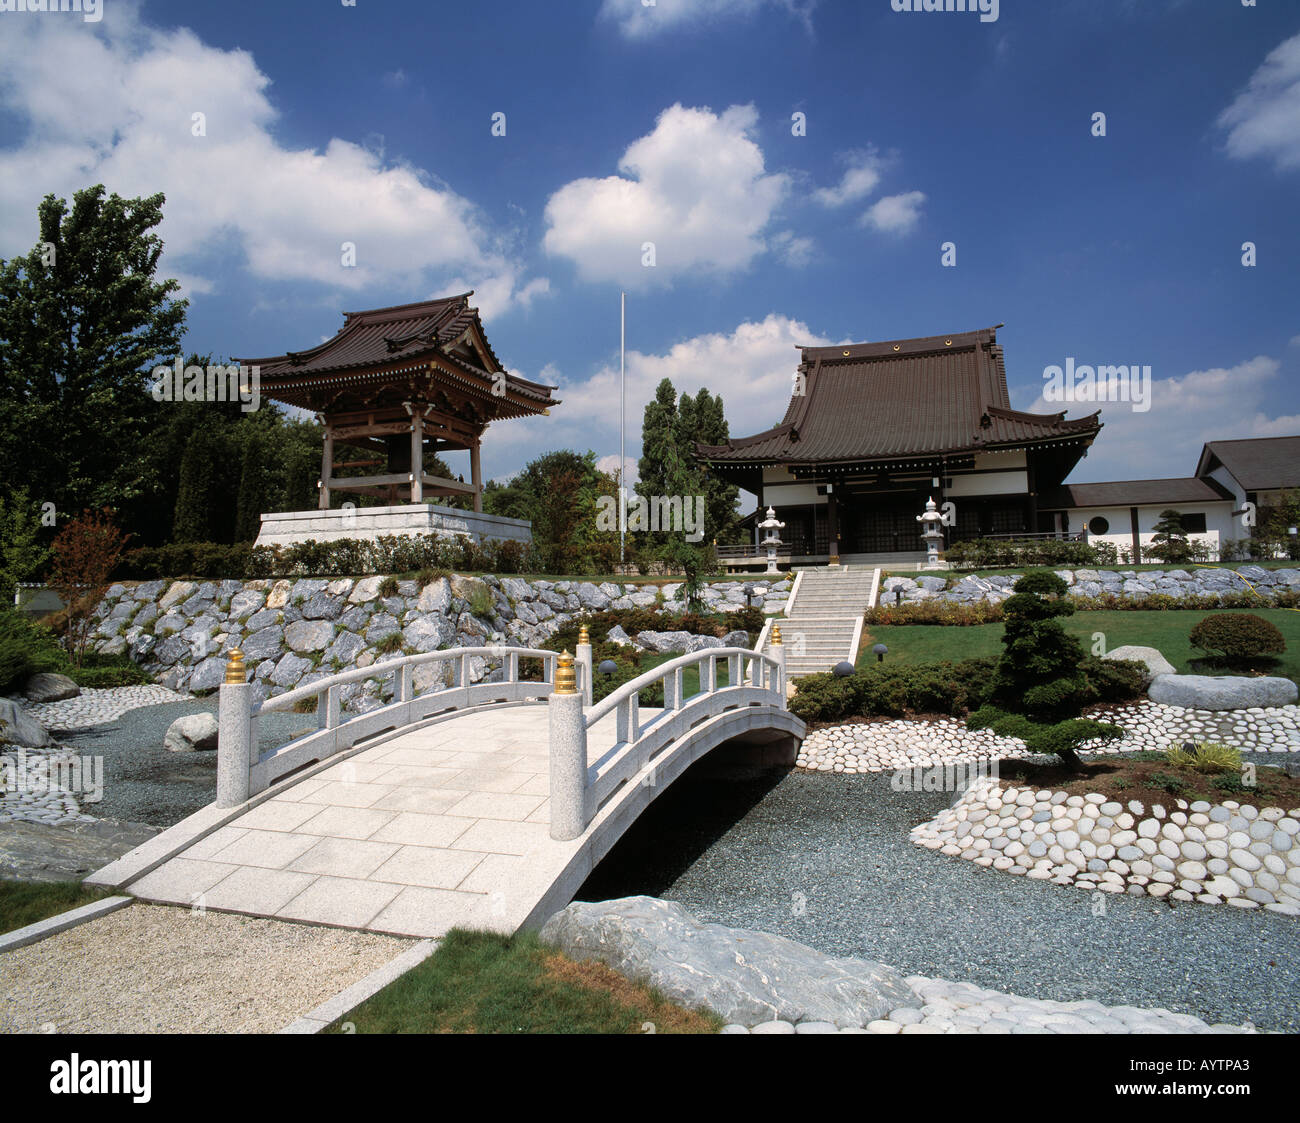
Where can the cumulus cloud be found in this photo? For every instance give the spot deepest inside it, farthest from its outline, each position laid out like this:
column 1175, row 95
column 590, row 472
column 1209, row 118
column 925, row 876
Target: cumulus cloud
column 637, row 20
column 695, row 187
column 895, row 214
column 752, row 367
column 1223, row 403
column 859, row 180
column 1264, row 120
column 99, row 105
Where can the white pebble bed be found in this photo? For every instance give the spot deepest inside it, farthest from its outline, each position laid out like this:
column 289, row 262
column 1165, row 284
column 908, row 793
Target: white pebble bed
column 95, row 707
column 41, row 801
column 950, row 1007
column 882, row 746
column 1226, row 853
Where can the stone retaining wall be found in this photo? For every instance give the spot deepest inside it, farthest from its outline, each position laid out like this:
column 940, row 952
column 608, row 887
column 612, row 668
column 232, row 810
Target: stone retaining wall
column 1132, row 584
column 294, row 632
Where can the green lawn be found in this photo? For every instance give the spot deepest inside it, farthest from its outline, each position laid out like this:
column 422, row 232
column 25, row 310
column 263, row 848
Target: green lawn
column 690, row 677
column 480, row 982
column 1166, row 631
column 25, row 902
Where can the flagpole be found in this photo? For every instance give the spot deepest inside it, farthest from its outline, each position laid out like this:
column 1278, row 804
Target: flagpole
column 622, row 405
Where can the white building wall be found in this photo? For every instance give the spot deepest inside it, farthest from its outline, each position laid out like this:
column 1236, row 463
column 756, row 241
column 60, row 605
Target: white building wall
column 1219, row 525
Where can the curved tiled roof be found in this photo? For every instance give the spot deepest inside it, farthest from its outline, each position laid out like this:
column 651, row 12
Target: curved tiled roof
column 375, row 343
column 901, row 398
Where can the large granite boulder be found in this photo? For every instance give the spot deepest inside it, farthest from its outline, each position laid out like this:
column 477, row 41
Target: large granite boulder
column 191, row 733
column 308, row 635
column 47, row 687
column 1155, row 663
column 1226, row 692
column 18, row 727
column 746, row 977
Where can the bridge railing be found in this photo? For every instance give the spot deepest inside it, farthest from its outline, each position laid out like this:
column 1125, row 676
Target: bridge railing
column 242, row 771
column 584, row 777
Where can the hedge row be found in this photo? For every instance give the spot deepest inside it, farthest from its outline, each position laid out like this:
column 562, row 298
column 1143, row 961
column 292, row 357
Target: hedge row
column 991, row 553
column 352, row 557
column 949, row 688
column 969, row 613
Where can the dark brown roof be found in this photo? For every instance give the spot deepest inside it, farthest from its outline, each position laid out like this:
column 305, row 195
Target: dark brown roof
column 402, row 339
column 1134, row 493
column 1258, row 464
column 901, row 398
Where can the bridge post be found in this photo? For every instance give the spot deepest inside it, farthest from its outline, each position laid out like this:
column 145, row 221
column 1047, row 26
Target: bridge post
column 582, row 657
column 568, row 737
column 234, row 733
column 777, row 651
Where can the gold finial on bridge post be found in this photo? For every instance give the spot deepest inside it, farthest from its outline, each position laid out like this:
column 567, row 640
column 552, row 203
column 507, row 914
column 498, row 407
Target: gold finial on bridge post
column 776, row 635
column 583, row 635
column 236, row 672
column 566, row 679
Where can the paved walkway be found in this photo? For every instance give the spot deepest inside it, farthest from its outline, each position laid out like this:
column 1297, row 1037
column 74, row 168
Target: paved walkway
column 444, row 826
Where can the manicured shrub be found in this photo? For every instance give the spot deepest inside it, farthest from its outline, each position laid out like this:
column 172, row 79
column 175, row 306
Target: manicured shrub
column 1238, row 635
column 991, row 553
column 26, row 649
column 1040, row 686
column 1112, row 680
column 935, row 611
column 943, row 688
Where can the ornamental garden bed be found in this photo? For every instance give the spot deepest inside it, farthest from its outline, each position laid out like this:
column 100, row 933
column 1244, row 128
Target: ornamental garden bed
column 1150, row 778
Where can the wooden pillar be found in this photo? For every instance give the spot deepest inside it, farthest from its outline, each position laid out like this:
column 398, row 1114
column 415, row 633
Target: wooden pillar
column 326, row 470
column 417, row 458
column 476, row 476
column 1137, row 535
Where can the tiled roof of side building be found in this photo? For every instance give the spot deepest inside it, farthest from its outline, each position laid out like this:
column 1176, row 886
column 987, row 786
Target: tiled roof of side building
column 1257, row 464
column 1134, row 493
column 864, row 401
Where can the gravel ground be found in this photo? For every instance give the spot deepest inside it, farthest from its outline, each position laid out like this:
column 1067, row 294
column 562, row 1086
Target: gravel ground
column 825, row 859
column 151, row 969
column 143, row 782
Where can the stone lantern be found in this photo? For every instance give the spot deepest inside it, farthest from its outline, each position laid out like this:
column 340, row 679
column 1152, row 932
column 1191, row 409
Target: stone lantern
column 932, row 532
column 771, row 540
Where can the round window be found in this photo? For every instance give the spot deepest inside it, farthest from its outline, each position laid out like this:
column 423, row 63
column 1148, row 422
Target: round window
column 1098, row 526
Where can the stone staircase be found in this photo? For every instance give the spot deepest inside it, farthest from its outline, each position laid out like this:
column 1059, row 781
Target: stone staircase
column 821, row 622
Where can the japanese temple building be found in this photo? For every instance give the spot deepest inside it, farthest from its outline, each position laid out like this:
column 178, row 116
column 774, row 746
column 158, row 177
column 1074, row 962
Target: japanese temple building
column 402, row 383
column 873, row 430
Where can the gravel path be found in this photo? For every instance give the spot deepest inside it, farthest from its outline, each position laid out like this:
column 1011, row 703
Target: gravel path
column 825, row 859
column 151, row 969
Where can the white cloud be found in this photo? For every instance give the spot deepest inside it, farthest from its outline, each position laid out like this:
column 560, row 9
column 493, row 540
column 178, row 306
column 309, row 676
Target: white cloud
column 637, row 20
column 1224, row 403
column 895, row 214
column 1264, row 120
column 101, row 105
column 752, row 367
column 858, row 181
column 791, row 249
column 695, row 187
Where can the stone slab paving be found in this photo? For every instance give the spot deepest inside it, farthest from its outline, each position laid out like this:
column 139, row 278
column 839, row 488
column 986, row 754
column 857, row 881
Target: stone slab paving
column 443, row 826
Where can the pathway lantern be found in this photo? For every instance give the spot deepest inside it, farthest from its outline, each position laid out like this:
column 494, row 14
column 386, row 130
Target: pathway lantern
column 771, row 524
column 880, row 651
column 932, row 532
column 748, row 590
column 608, row 667
column 843, row 669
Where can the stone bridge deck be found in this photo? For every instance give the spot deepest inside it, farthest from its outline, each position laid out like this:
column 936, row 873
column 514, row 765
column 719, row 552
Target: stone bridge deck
column 442, row 826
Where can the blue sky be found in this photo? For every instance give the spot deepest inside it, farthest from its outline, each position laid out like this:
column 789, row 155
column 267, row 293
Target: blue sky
column 672, row 123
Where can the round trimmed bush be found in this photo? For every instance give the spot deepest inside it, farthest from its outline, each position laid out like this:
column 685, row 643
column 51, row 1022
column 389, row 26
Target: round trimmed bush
column 1238, row 635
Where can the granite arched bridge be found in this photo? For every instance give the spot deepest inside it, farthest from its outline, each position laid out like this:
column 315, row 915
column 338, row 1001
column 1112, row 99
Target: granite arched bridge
column 478, row 805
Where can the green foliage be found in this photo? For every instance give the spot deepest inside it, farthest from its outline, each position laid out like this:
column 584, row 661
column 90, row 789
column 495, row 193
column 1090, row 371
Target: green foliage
column 1205, row 756
column 390, row 643
column 1174, row 785
column 26, row 649
column 1238, row 636
column 1040, row 684
column 388, row 587
column 935, row 611
column 429, row 576
column 944, row 688
column 21, row 552
column 1169, row 541
column 559, row 493
column 994, row 553
column 82, row 321
column 481, row 602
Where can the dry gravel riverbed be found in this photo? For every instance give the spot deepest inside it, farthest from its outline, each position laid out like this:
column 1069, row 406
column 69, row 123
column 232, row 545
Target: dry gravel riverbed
column 153, row 969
